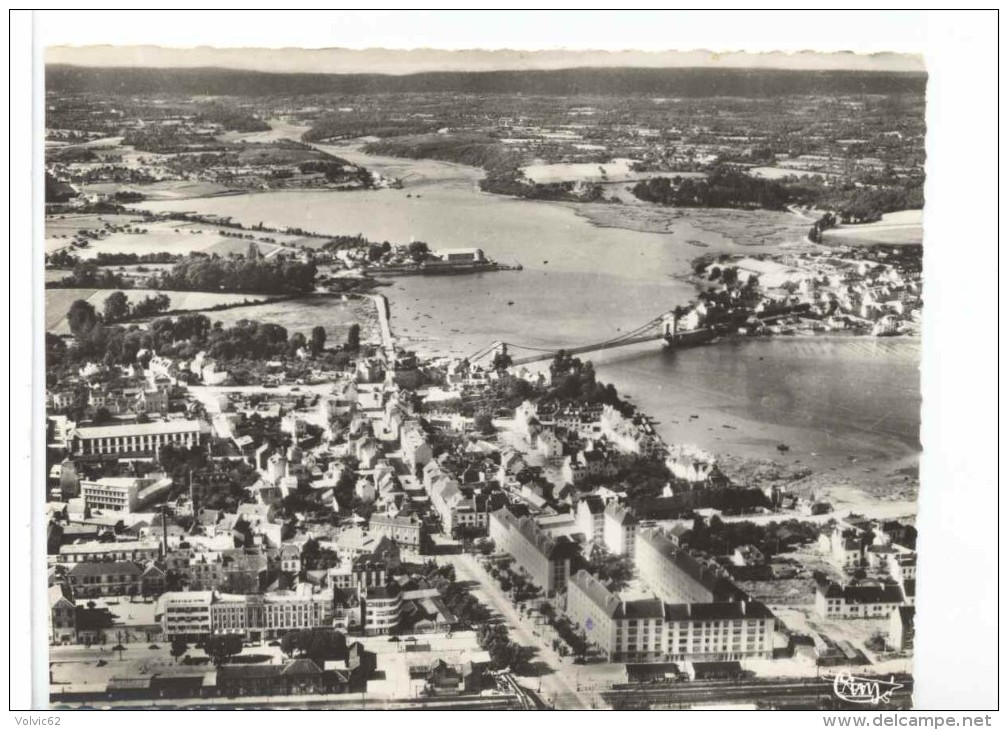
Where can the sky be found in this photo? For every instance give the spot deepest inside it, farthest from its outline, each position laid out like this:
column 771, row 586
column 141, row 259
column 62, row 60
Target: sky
column 399, row 42
column 390, row 61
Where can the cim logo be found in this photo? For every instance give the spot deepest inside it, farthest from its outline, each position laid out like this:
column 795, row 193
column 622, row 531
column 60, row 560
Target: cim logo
column 862, row 691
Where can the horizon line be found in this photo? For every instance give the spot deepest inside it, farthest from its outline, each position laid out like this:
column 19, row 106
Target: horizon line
column 403, row 62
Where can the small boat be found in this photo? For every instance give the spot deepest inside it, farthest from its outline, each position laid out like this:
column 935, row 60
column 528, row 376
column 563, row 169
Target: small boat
column 545, row 261
column 510, row 303
column 783, row 447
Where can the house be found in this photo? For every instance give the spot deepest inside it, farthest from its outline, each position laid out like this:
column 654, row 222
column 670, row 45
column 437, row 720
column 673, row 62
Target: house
column 92, row 579
column 548, row 444
column 857, row 600
column 290, row 559
column 406, row 531
column 901, row 629
column 591, row 518
column 441, row 678
column 62, row 615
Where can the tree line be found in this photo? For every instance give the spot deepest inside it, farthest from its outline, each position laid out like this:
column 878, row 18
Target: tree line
column 242, row 274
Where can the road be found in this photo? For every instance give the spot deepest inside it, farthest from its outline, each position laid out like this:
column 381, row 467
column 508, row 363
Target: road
column 558, row 685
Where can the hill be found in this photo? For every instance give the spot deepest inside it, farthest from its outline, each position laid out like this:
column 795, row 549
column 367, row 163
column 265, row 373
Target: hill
column 674, row 82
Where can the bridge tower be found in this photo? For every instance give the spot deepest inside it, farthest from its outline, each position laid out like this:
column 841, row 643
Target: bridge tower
column 670, row 327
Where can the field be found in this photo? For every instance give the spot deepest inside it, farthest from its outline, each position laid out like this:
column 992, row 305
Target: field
column 165, row 190
column 58, row 301
column 701, row 227
column 776, row 173
column 301, row 315
column 903, row 228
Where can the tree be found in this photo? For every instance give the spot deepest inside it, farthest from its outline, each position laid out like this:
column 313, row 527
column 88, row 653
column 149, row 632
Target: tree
column 483, row 422
column 353, row 337
column 101, row 415
column 116, row 307
column 178, row 647
column 222, row 648
column 616, row 570
column 82, row 318
column 318, row 338
column 418, row 251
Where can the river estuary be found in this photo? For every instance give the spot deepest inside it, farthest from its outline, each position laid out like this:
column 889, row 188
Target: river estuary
column 834, row 401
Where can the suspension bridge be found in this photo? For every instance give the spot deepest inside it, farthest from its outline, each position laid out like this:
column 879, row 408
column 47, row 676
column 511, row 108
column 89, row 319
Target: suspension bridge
column 659, row 328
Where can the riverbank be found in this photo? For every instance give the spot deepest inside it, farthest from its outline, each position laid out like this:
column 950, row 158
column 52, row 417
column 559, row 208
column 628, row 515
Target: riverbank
column 583, row 282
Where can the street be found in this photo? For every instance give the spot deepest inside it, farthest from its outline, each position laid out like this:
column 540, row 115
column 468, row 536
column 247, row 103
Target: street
column 558, row 685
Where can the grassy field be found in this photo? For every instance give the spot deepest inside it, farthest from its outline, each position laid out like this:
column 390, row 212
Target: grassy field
column 58, row 301
column 68, row 224
column 301, row 315
column 903, row 228
column 166, row 190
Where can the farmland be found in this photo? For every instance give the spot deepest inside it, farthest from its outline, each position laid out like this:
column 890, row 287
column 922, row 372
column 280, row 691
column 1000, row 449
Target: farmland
column 58, row 301
column 300, row 315
column 902, row 228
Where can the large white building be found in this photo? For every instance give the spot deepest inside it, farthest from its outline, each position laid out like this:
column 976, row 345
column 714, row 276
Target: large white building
column 675, row 576
column 653, row 630
column 137, row 551
column 135, row 439
column 545, row 559
column 198, row 614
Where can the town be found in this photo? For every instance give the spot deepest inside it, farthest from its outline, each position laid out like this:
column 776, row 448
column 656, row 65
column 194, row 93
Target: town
column 275, row 476
column 406, row 531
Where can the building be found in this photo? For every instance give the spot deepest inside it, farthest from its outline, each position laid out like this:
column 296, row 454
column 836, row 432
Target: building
column 381, row 608
column 441, row 678
column 591, row 518
column 101, row 578
column 676, row 576
column 545, row 559
column 622, row 630
column 194, row 615
column 406, row 531
column 901, row 629
column 461, row 255
column 853, row 601
column 186, row 615
column 115, row 494
column 719, row 631
column 619, row 529
column 290, row 559
column 650, row 630
column 62, row 615
column 137, row 551
column 295, row 677
column 458, row 506
column 135, row 439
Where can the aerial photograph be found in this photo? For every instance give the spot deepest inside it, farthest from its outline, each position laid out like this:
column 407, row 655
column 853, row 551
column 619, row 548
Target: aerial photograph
column 376, row 380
